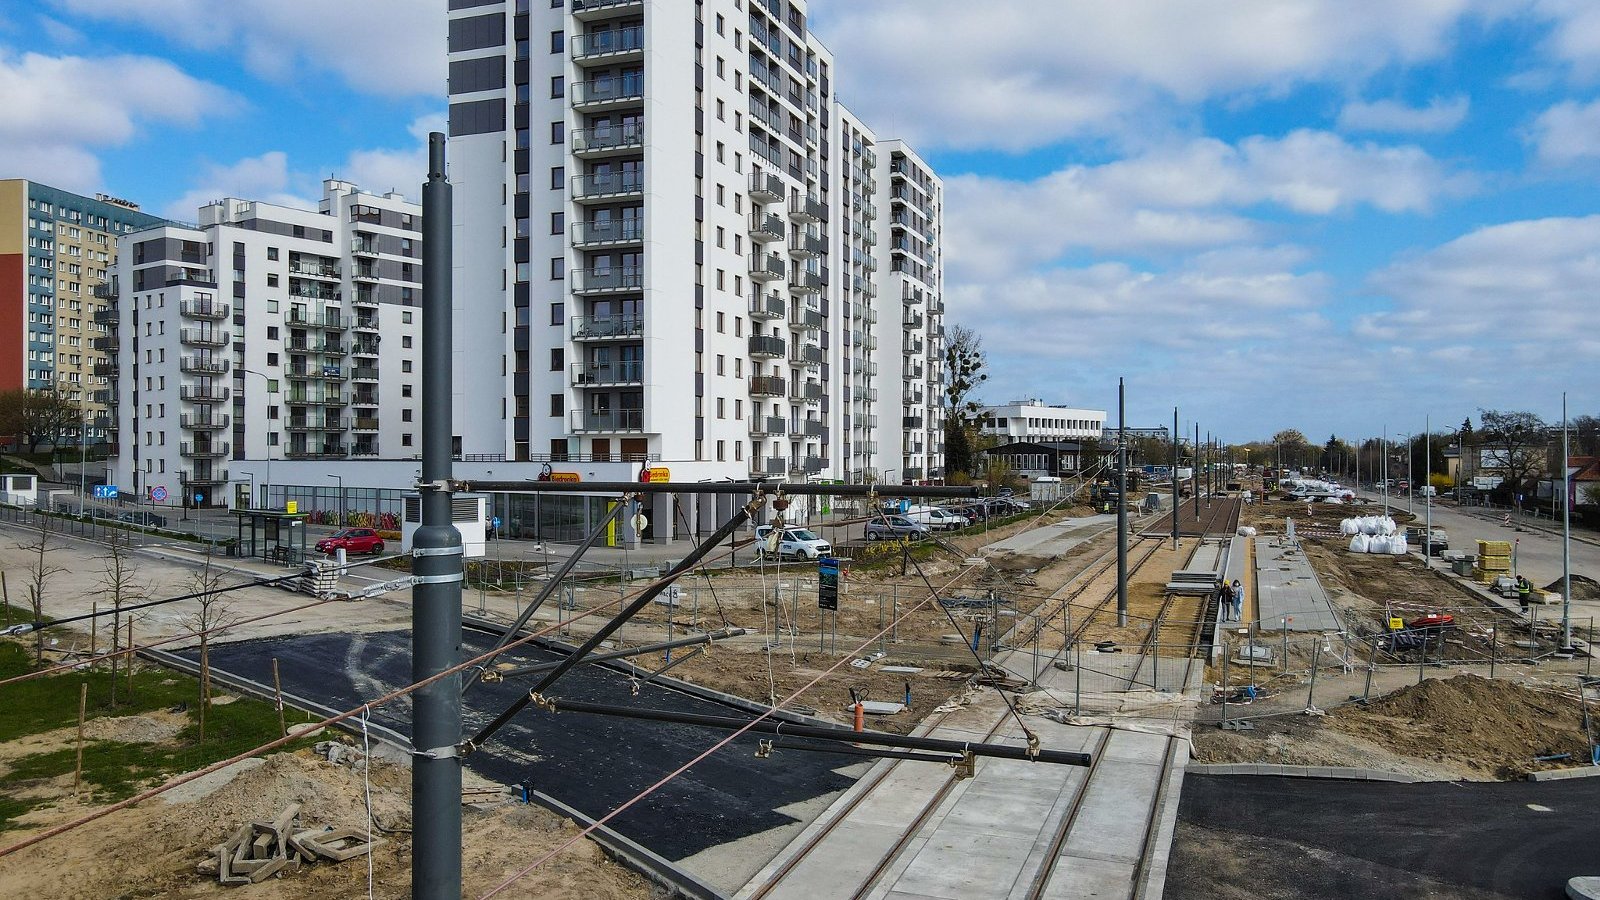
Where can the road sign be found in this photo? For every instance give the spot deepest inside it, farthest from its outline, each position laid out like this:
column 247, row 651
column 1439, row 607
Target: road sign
column 199, row 498
column 292, row 507
column 105, row 492
column 828, row 583
column 158, row 494
column 495, row 523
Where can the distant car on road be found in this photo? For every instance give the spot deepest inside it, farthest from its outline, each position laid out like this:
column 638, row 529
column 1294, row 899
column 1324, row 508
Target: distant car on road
column 794, row 542
column 895, row 527
column 352, row 540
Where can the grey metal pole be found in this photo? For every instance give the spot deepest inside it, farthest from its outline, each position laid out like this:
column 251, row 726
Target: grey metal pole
column 1566, row 534
column 1427, row 492
column 436, row 598
column 1122, row 507
column 1174, row 478
column 1194, row 474
column 1385, row 460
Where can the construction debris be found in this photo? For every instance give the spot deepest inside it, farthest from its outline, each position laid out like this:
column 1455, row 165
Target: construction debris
column 260, row 850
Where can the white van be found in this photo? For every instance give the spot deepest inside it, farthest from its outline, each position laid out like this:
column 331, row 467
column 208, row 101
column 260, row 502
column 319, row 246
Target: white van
column 935, row 518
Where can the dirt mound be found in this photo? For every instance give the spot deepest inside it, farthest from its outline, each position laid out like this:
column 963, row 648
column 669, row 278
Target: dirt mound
column 149, row 728
column 1584, row 589
column 1488, row 728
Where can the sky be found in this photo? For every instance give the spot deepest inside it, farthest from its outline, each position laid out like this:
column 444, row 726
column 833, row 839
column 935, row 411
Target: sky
column 1338, row 216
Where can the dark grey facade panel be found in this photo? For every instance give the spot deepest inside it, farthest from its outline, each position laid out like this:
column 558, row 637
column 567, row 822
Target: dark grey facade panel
column 469, row 4
column 484, row 74
column 477, row 117
column 477, row 32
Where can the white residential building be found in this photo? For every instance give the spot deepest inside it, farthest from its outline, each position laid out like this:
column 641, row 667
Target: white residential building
column 1034, row 420
column 256, row 336
column 675, row 248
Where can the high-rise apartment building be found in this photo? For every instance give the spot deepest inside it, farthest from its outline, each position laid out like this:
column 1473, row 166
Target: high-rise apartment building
column 267, row 333
column 675, row 247
column 56, row 248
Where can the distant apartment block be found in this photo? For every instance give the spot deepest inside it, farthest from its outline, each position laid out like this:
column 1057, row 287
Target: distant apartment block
column 1034, row 420
column 266, row 333
column 676, row 247
column 56, row 249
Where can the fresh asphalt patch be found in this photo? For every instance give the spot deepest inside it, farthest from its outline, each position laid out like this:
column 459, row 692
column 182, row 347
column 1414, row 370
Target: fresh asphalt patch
column 592, row 763
column 1252, row 836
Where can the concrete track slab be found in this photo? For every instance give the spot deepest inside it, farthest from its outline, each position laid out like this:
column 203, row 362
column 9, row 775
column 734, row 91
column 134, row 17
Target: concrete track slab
column 1288, row 593
column 1055, row 538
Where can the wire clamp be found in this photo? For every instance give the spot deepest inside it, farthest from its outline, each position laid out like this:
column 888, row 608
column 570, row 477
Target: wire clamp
column 763, row 749
column 455, row 752
column 541, row 701
column 1033, row 744
column 966, row 765
column 490, row 676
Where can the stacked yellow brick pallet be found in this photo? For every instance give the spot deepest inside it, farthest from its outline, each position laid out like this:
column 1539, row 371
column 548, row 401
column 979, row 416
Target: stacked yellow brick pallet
column 1494, row 560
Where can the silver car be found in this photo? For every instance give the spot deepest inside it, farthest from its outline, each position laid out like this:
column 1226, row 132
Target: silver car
column 892, row 527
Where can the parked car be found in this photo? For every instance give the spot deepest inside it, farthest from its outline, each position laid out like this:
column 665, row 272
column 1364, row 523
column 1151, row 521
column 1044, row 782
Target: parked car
column 797, row 543
column 935, row 517
column 352, row 540
column 895, row 527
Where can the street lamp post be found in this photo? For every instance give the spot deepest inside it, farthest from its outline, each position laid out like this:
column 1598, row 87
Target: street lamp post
column 266, row 486
column 83, row 459
column 340, row 479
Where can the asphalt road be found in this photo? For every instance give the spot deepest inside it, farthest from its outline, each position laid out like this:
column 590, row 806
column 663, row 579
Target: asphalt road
column 592, row 763
column 1315, row 839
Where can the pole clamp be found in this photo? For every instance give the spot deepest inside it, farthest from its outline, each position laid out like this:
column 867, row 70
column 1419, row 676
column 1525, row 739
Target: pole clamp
column 452, row 578
column 541, row 701
column 438, row 551
column 455, row 752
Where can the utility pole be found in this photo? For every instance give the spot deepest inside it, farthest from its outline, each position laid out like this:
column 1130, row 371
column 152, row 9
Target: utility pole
column 1122, row 507
column 1384, row 460
column 1427, row 491
column 1566, row 534
column 1194, row 474
column 1174, row 478
column 436, row 596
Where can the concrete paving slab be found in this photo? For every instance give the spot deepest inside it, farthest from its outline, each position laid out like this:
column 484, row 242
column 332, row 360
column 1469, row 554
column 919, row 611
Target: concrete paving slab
column 1112, row 821
column 1076, row 879
column 1288, row 593
column 961, row 863
column 1136, row 746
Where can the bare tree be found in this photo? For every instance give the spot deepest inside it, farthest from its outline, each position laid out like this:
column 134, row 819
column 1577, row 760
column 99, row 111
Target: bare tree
column 39, row 572
column 964, row 372
column 208, row 621
column 121, row 587
column 1517, row 439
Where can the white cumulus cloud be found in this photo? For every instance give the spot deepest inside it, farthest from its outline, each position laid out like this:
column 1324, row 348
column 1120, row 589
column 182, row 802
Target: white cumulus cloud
column 1439, row 116
column 266, row 178
column 1567, row 133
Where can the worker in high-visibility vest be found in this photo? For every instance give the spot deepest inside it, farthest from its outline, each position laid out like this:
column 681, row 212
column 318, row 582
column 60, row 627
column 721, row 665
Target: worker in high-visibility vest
column 1524, row 591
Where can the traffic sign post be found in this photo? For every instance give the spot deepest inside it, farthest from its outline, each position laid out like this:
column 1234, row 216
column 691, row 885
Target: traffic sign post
column 158, row 494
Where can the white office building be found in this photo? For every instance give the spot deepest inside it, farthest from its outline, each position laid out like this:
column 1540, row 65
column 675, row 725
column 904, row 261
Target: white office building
column 1035, row 420
column 266, row 334
column 675, row 248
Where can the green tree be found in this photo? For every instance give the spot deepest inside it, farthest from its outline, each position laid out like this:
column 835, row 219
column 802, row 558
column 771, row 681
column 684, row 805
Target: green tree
column 964, row 372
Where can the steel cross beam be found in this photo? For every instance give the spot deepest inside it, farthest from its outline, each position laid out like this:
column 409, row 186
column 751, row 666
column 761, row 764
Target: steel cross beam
column 644, row 599
column 826, row 733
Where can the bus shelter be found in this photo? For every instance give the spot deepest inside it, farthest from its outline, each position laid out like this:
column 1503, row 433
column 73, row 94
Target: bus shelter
column 272, row 535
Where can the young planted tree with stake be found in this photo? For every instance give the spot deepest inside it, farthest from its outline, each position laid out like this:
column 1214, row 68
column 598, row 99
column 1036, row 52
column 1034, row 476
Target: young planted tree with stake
column 211, row 617
column 39, row 572
column 121, row 587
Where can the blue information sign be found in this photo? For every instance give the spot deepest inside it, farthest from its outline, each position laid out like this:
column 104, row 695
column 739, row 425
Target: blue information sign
column 827, row 583
column 105, row 492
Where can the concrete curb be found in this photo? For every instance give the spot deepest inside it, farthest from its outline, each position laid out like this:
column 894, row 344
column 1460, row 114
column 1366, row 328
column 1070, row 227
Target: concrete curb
column 1565, row 774
column 633, row 855
column 1339, row 773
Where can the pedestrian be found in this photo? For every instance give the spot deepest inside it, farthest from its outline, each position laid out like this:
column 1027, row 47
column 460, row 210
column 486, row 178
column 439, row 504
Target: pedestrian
column 1225, row 601
column 1237, row 593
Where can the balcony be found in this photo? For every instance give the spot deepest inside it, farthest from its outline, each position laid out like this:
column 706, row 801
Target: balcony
column 306, row 345
column 765, row 229
column 811, row 428
column 314, row 270
column 764, row 346
column 364, row 248
column 203, row 365
column 330, row 321
column 204, row 337
column 803, row 318
column 203, row 476
column 607, row 140
column 365, row 345
column 806, row 209
column 365, row 297
column 611, row 45
column 912, row 473
column 814, row 465
column 913, row 371
column 608, row 420
column 609, row 233
column 305, row 290
column 203, row 393
column 767, row 268
column 807, row 246
column 864, row 394
column 914, row 346
column 911, row 423
column 607, row 328
column 367, row 322
column 332, row 423
column 607, row 187
column 198, row 422
column 590, row 10
column 316, row 398
column 107, row 316
column 806, row 283
column 608, row 92
column 807, row 392
column 364, row 373
column 362, row 274
column 808, row 356
column 776, row 466
column 912, row 298
column 321, row 373
column 326, row 451
column 912, row 397
column 105, row 369
column 765, row 187
column 629, row 372
column 607, row 281
column 767, row 386
column 106, row 290
column 204, row 451
column 766, row 307
column 364, row 423
column 365, row 449
column 768, row 426
column 193, row 309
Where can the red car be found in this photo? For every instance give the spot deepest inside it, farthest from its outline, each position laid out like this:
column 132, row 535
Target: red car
column 352, row 540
